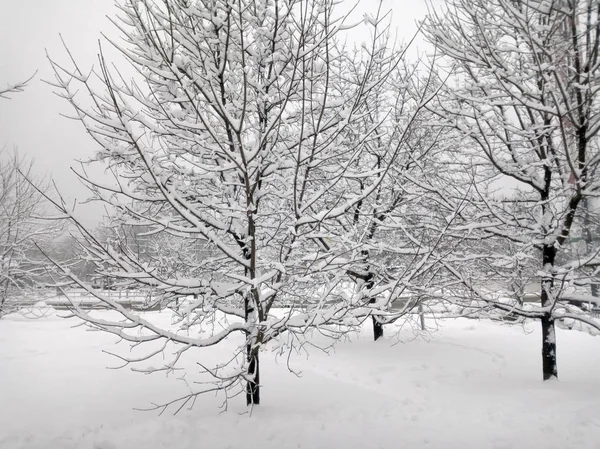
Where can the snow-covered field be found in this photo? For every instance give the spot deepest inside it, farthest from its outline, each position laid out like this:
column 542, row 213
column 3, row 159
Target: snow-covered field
column 469, row 384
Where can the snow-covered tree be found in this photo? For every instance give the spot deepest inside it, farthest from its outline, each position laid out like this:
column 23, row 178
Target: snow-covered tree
column 523, row 107
column 397, row 231
column 241, row 130
column 21, row 228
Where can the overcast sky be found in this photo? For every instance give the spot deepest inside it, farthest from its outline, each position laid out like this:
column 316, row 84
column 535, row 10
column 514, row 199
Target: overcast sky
column 31, row 120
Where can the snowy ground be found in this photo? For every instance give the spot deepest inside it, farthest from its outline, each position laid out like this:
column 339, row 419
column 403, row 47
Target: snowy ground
column 468, row 385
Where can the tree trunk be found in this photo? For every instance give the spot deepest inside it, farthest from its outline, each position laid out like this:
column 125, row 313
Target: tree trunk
column 252, row 352
column 377, row 328
column 421, row 315
column 252, row 349
column 589, row 231
column 549, row 367
column 3, row 296
column 253, row 385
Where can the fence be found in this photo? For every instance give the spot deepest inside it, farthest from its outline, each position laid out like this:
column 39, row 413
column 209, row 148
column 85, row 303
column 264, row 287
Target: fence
column 133, row 299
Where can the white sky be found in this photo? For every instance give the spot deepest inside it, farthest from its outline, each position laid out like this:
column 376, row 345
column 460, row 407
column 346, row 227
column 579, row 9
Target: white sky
column 30, row 121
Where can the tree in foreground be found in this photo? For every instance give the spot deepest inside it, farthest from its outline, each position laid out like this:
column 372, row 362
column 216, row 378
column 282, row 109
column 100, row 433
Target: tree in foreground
column 524, row 111
column 238, row 135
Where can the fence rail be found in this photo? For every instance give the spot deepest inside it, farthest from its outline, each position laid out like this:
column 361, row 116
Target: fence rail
column 136, row 299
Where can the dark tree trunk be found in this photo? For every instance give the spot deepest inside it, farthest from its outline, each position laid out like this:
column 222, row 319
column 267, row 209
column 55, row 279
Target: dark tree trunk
column 252, row 352
column 549, row 367
column 377, row 326
column 253, row 385
column 377, row 329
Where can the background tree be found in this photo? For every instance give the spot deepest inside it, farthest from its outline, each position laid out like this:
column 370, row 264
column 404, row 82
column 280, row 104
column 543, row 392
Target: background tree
column 398, row 230
column 525, row 106
column 384, row 231
column 22, row 206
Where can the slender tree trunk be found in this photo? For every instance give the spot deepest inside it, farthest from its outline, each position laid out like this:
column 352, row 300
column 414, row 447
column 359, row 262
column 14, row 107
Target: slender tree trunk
column 421, row 316
column 549, row 367
column 3, row 295
column 253, row 385
column 252, row 351
column 377, row 326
